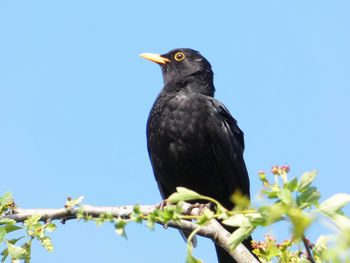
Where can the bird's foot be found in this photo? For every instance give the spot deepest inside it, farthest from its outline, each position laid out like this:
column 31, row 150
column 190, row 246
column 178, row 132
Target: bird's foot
column 198, row 208
column 162, row 204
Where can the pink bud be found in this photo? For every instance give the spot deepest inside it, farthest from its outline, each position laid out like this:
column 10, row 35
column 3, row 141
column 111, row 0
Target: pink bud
column 262, row 175
column 285, row 168
column 274, row 169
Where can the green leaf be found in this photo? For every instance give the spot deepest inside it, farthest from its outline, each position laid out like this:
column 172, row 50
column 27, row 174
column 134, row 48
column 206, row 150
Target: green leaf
column 271, row 214
column 2, row 234
column 152, row 218
column 237, row 220
column 75, row 202
column 301, row 221
column 189, row 257
column 334, row 203
column 5, row 202
column 9, row 228
column 5, row 252
column 286, row 196
column 305, row 180
column 80, row 214
column 51, row 227
column 16, row 252
column 239, row 235
column 271, row 194
column 46, row 243
column 183, row 194
column 291, row 185
column 256, row 219
column 136, row 209
column 150, row 223
column 120, row 227
column 321, row 243
column 241, row 201
column 164, row 216
column 32, row 220
column 167, row 214
column 110, row 217
column 308, row 197
column 137, row 215
column 342, row 222
column 99, row 222
column 332, row 209
column 28, row 246
column 272, row 250
column 205, row 217
column 178, row 209
column 40, row 232
column 5, row 199
column 7, row 221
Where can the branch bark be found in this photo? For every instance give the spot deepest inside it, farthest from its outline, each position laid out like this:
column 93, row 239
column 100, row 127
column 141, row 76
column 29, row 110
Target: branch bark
column 308, row 252
column 212, row 230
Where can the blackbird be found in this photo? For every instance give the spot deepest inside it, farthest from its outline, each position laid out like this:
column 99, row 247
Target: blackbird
column 192, row 139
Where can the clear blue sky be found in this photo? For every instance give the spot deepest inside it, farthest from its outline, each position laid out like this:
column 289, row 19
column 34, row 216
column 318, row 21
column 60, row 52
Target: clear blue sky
column 75, row 96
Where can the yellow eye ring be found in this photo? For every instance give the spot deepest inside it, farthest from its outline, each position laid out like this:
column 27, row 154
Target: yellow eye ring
column 179, row 56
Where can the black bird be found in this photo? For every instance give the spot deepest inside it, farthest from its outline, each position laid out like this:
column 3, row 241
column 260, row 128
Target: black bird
column 193, row 141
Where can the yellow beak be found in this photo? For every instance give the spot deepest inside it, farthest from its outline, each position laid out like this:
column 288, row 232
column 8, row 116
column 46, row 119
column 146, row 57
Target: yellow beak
column 155, row 58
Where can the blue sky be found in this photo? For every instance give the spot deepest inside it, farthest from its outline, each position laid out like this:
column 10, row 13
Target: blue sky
column 75, row 96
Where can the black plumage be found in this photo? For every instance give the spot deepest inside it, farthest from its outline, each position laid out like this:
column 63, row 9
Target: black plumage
column 193, row 141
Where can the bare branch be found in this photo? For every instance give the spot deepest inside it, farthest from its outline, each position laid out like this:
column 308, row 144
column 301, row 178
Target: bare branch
column 308, row 252
column 212, row 230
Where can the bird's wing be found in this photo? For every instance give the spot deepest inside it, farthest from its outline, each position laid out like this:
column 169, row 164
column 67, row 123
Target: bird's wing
column 228, row 145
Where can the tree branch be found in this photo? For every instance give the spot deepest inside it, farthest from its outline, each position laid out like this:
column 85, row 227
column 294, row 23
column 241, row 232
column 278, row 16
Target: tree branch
column 212, row 230
column 308, row 252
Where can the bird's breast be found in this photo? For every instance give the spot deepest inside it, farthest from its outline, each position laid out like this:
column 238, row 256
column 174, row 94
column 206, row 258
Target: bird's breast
column 180, row 147
column 179, row 119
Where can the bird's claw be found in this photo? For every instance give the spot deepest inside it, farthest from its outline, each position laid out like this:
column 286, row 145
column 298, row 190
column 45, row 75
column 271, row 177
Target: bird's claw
column 200, row 206
column 162, row 204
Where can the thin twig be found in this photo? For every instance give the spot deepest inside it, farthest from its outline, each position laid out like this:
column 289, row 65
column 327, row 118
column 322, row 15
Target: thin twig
column 308, row 251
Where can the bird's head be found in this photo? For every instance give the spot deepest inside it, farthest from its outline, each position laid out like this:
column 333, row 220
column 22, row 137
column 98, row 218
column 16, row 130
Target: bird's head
column 183, row 64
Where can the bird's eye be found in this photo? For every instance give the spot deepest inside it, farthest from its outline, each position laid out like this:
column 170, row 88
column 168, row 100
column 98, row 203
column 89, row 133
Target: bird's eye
column 179, row 56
